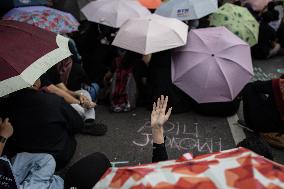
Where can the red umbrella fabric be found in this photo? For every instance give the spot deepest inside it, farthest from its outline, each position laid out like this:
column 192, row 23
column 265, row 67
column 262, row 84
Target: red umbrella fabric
column 235, row 169
column 26, row 52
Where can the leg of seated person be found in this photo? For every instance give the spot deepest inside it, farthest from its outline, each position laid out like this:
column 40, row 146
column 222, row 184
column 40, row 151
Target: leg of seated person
column 36, row 171
column 260, row 111
column 79, row 109
column 85, row 173
column 85, row 113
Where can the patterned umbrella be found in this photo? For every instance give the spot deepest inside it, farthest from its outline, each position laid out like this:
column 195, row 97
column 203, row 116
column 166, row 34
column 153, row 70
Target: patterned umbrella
column 238, row 20
column 27, row 52
column 235, row 168
column 44, row 17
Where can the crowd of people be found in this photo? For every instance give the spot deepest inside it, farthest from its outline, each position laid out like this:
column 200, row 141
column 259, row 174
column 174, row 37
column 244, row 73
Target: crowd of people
column 39, row 123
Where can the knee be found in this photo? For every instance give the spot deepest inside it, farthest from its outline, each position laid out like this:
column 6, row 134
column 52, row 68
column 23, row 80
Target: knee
column 86, row 172
column 47, row 159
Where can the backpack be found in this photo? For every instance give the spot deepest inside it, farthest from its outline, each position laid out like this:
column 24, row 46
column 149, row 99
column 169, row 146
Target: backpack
column 123, row 91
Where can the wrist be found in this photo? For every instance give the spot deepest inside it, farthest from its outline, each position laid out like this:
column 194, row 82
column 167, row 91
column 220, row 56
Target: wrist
column 158, row 135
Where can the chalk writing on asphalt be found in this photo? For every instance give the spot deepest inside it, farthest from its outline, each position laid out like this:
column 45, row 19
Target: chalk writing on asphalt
column 180, row 137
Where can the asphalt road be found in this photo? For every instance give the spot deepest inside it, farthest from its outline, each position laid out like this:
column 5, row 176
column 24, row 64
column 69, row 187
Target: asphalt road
column 128, row 140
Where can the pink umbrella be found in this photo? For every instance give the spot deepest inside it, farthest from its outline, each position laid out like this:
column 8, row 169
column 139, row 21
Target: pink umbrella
column 214, row 66
column 258, row 5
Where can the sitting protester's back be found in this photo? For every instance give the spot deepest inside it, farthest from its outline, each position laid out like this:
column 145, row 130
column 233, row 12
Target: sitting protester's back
column 43, row 123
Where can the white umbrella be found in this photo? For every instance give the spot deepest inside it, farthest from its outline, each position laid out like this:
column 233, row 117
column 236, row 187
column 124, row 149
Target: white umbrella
column 151, row 34
column 113, row 13
column 187, row 9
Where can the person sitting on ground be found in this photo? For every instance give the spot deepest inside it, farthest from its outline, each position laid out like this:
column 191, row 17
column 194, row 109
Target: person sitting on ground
column 268, row 45
column 86, row 172
column 219, row 109
column 43, row 123
column 280, row 35
column 80, row 100
column 263, row 108
column 30, row 170
column 124, row 65
column 160, row 82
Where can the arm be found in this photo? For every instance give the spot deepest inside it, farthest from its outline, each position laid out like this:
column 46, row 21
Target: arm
column 6, row 130
column 158, row 119
column 83, row 100
column 64, row 88
column 67, row 97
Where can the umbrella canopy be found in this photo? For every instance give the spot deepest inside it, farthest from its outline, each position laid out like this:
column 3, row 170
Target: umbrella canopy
column 115, row 12
column 235, row 168
column 187, row 9
column 258, row 5
column 238, row 20
column 28, row 53
column 151, row 4
column 151, row 34
column 44, row 17
column 214, row 66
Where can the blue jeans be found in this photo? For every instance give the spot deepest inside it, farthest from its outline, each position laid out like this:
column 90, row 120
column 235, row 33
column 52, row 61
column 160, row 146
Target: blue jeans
column 35, row 170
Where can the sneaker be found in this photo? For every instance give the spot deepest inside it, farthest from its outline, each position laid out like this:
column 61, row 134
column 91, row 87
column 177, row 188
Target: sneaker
column 94, row 129
column 274, row 139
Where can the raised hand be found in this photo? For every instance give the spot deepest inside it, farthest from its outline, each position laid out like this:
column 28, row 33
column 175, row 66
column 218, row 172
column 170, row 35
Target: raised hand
column 159, row 118
column 159, row 115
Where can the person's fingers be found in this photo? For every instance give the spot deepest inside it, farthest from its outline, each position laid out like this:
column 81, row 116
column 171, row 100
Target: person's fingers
column 162, row 102
column 158, row 104
column 168, row 113
column 165, row 103
column 6, row 121
column 154, row 106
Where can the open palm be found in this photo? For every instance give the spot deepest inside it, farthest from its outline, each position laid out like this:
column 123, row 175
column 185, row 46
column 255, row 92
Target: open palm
column 159, row 115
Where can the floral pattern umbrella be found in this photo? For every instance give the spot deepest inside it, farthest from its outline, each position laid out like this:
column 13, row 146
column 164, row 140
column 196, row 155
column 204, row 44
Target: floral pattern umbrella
column 45, row 18
column 236, row 169
column 238, row 20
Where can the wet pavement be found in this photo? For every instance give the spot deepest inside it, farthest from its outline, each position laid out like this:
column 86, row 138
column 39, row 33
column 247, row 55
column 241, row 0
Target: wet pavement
column 128, row 140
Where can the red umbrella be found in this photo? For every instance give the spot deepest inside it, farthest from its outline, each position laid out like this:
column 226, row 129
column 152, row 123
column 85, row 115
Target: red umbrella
column 26, row 52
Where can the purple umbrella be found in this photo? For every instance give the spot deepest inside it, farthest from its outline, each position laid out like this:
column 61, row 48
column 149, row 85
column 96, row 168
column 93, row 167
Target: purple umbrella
column 214, row 66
